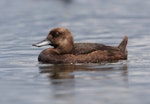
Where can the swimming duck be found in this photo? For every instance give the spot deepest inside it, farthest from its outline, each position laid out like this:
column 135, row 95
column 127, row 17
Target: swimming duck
column 66, row 51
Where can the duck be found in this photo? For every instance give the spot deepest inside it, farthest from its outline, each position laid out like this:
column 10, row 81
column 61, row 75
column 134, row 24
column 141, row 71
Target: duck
column 64, row 50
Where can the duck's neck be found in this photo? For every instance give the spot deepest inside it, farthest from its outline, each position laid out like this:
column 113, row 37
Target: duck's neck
column 65, row 48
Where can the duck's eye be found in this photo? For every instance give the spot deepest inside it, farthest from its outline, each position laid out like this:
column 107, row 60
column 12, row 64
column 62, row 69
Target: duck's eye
column 55, row 34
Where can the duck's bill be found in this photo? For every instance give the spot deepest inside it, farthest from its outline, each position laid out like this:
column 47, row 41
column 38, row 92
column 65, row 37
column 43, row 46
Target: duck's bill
column 42, row 43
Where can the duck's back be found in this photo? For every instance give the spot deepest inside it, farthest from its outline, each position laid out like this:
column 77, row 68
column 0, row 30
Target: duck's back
column 84, row 48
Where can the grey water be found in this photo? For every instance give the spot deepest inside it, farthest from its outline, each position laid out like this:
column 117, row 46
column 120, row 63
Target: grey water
column 24, row 81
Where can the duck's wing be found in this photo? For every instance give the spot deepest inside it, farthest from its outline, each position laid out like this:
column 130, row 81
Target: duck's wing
column 84, row 48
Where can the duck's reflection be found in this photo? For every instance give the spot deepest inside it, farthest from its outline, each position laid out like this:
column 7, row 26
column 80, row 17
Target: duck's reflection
column 58, row 71
column 65, row 71
column 67, row 80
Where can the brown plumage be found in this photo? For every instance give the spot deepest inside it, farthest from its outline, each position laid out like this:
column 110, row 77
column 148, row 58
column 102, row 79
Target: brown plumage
column 66, row 51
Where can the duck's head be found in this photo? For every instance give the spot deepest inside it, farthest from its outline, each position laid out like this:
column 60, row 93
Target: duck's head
column 60, row 38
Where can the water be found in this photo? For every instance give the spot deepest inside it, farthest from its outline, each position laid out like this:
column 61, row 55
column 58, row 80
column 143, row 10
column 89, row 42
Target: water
column 24, row 81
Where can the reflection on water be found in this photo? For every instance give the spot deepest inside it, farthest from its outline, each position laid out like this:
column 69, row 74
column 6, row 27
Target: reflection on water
column 63, row 71
column 70, row 82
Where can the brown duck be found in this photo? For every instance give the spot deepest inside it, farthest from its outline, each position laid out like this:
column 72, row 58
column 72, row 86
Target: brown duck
column 66, row 51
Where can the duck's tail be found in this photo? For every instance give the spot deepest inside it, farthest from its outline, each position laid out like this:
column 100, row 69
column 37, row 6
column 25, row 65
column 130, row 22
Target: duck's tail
column 123, row 45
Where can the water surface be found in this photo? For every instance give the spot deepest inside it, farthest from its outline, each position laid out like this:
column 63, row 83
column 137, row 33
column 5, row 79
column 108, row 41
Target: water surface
column 24, row 81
